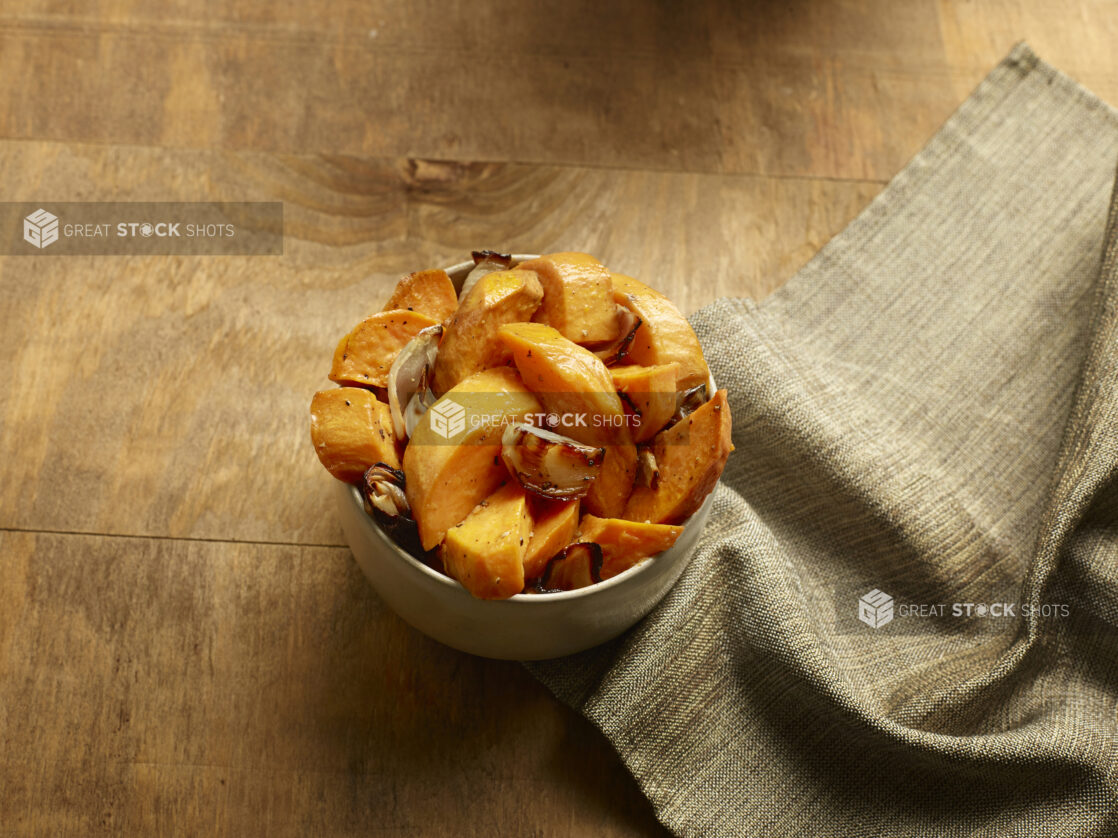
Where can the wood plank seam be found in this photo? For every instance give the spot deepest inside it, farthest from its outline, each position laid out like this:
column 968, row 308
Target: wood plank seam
column 187, row 539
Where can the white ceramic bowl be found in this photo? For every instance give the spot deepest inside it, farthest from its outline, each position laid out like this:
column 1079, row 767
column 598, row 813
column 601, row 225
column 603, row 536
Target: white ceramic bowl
column 525, row 626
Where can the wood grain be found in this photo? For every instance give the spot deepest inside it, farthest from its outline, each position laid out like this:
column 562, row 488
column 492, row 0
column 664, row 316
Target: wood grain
column 837, row 89
column 169, row 396
column 247, row 689
column 157, row 676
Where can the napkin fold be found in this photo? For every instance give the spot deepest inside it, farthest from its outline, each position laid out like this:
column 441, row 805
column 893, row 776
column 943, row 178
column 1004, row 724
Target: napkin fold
column 903, row 616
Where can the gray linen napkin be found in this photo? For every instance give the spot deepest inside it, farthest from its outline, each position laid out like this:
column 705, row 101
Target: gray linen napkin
column 927, row 410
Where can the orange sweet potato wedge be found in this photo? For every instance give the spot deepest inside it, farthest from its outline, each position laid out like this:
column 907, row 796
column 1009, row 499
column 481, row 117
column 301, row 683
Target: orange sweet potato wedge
column 664, row 336
column 690, row 455
column 649, row 394
column 364, row 356
column 485, row 552
column 452, row 464
column 428, row 292
column 571, row 382
column 351, row 431
column 470, row 341
column 554, row 525
column 610, row 492
column 626, row 543
column 577, row 297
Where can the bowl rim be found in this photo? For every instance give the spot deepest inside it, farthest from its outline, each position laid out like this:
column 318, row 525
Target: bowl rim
column 457, row 274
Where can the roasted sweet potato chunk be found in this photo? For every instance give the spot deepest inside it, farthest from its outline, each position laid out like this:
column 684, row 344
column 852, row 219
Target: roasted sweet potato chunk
column 649, row 394
column 428, row 292
column 554, row 525
column 470, row 341
column 351, row 431
column 691, row 455
column 572, row 383
column 364, row 356
column 664, row 335
column 626, row 543
column 452, row 465
column 608, row 494
column 577, row 297
column 485, row 552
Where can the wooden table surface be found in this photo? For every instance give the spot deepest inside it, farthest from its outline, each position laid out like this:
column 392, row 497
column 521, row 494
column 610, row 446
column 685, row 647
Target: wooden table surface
column 186, row 645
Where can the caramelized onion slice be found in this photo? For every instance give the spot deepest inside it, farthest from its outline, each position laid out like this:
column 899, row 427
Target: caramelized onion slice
column 480, row 256
column 485, row 262
column 548, row 464
column 382, row 490
column 575, row 566
column 409, row 389
column 616, row 351
column 688, row 402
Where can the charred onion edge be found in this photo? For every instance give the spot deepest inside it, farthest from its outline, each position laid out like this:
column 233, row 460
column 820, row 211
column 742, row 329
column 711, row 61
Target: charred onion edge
column 400, row 527
column 540, row 586
column 513, row 448
column 648, row 471
column 421, row 349
column 485, row 262
column 383, row 481
column 688, row 402
column 629, row 403
column 617, row 351
column 480, row 256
